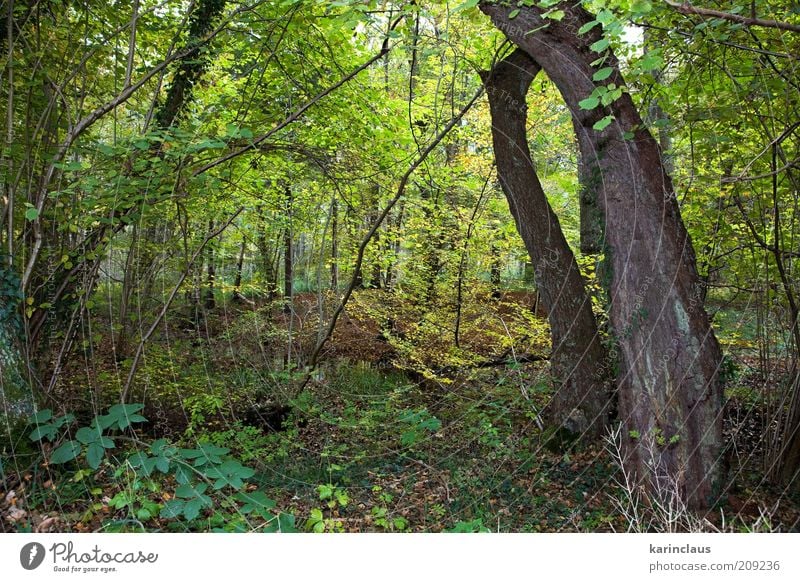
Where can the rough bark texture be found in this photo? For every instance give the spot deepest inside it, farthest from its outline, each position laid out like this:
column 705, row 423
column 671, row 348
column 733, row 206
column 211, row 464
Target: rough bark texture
column 669, row 391
column 581, row 400
column 591, row 217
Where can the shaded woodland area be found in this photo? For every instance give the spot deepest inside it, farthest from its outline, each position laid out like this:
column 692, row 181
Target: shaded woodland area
column 344, row 266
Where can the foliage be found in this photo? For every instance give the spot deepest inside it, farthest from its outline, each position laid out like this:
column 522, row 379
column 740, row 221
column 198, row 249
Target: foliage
column 209, row 483
column 421, row 413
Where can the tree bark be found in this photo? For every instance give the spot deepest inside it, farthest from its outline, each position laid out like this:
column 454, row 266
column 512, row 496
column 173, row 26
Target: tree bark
column 334, row 245
column 237, row 282
column 669, row 390
column 211, row 274
column 288, row 273
column 581, row 400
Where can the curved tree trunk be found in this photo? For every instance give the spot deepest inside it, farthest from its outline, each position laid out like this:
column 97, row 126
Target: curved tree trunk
column 580, row 403
column 670, row 394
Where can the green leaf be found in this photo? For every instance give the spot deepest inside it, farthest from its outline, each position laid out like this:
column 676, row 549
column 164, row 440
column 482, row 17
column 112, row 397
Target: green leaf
column 143, row 514
column 474, row 526
column 139, row 460
column 183, row 473
column 603, row 123
column 557, row 15
column 651, row 61
column 603, row 74
column 94, row 455
column 600, row 45
column 43, row 431
column 188, row 491
column 589, row 103
column 466, row 5
column 123, row 415
column 192, row 509
column 88, row 435
column 605, row 16
column 588, row 26
column 325, row 492
column 31, row 214
column 205, row 453
column 172, row 508
column 65, row 453
column 641, row 7
column 42, row 416
column 255, row 500
column 408, row 438
column 230, row 473
column 513, row 14
column 162, row 464
column 286, row 523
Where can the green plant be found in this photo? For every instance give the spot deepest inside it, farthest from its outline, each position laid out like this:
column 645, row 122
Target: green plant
column 381, row 514
column 474, row 526
column 333, row 495
column 205, row 479
column 417, row 424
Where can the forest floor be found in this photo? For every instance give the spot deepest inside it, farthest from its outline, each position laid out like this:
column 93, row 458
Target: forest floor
column 396, row 432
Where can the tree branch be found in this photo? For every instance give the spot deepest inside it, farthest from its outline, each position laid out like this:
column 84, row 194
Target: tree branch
column 688, row 9
column 146, row 337
column 376, row 225
column 298, row 113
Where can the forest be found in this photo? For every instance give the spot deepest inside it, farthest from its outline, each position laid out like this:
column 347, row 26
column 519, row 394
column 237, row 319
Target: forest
column 400, row 266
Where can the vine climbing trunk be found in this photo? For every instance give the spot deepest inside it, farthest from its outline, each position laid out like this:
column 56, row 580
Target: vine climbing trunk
column 581, row 400
column 670, row 397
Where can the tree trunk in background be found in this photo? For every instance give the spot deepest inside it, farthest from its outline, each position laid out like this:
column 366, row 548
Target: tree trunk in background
column 270, row 256
column 122, row 345
column 287, row 255
column 16, row 396
column 237, row 283
column 581, row 400
column 334, row 245
column 210, row 302
column 669, row 390
column 495, row 272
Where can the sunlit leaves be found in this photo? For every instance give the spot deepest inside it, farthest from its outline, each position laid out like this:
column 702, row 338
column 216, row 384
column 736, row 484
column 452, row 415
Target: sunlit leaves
column 603, row 123
column 603, row 74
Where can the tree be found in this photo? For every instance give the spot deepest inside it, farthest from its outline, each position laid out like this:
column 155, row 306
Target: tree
column 670, row 396
column 578, row 362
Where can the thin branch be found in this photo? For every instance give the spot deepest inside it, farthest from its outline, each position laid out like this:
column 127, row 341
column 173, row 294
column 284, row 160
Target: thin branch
column 688, row 9
column 733, row 179
column 132, row 44
column 78, row 129
column 146, row 337
column 777, row 141
column 298, row 113
column 376, row 225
